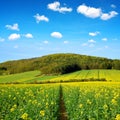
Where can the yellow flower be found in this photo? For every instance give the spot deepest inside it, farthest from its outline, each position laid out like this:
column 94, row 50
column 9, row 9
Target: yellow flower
column 89, row 102
column 81, row 105
column 12, row 109
column 117, row 117
column 114, row 102
column 42, row 112
column 24, row 116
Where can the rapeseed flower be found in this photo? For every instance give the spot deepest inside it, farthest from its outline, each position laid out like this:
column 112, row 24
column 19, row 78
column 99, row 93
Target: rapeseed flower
column 24, row 116
column 12, row 109
column 114, row 102
column 117, row 117
column 89, row 102
column 42, row 113
column 81, row 105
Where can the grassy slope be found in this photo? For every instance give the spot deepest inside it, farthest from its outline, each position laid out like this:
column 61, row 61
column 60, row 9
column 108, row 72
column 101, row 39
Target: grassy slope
column 20, row 77
column 109, row 75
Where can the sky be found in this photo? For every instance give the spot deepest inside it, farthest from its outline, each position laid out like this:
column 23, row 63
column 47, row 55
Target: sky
column 33, row 28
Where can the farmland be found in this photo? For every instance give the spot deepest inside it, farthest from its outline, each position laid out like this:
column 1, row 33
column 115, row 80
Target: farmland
column 92, row 101
column 29, row 102
column 76, row 100
column 84, row 101
column 34, row 76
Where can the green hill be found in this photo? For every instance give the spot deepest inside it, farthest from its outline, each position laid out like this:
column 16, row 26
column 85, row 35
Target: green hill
column 58, row 64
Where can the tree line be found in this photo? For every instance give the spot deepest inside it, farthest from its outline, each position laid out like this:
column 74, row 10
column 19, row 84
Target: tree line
column 58, row 64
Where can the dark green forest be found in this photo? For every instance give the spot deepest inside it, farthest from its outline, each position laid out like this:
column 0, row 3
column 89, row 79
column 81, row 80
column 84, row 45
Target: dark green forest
column 58, row 64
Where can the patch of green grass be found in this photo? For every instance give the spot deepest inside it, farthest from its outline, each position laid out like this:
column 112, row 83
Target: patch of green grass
column 20, row 77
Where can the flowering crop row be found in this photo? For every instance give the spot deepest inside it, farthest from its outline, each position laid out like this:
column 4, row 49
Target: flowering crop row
column 83, row 101
column 31, row 102
column 92, row 101
column 108, row 75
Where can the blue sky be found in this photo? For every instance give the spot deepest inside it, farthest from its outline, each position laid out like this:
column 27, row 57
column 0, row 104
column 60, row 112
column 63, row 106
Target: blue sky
column 33, row 28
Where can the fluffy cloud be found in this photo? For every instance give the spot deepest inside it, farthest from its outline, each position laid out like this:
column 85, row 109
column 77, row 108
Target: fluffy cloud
column 88, row 44
column 94, row 33
column 92, row 12
column 14, row 36
column 12, row 27
column 56, row 34
column 104, row 39
column 107, row 16
column 2, row 39
column 28, row 35
column 91, row 41
column 41, row 18
column 56, row 7
column 89, row 11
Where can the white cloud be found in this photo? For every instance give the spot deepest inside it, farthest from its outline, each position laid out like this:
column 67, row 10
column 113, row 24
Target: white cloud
column 40, row 18
column 94, row 33
column 2, row 39
column 92, row 12
column 91, row 41
column 89, row 11
column 56, row 7
column 88, row 44
column 28, row 35
column 66, row 42
column 113, row 6
column 14, row 36
column 56, row 34
column 45, row 42
column 107, row 16
column 104, row 39
column 13, row 27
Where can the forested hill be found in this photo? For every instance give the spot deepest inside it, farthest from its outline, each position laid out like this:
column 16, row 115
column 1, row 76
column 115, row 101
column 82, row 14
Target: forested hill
column 58, row 64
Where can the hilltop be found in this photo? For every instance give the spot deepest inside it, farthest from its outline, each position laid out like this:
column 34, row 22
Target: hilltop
column 58, row 64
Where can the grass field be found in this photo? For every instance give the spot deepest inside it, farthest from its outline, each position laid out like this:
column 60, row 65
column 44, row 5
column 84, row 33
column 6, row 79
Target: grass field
column 33, row 76
column 20, row 77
